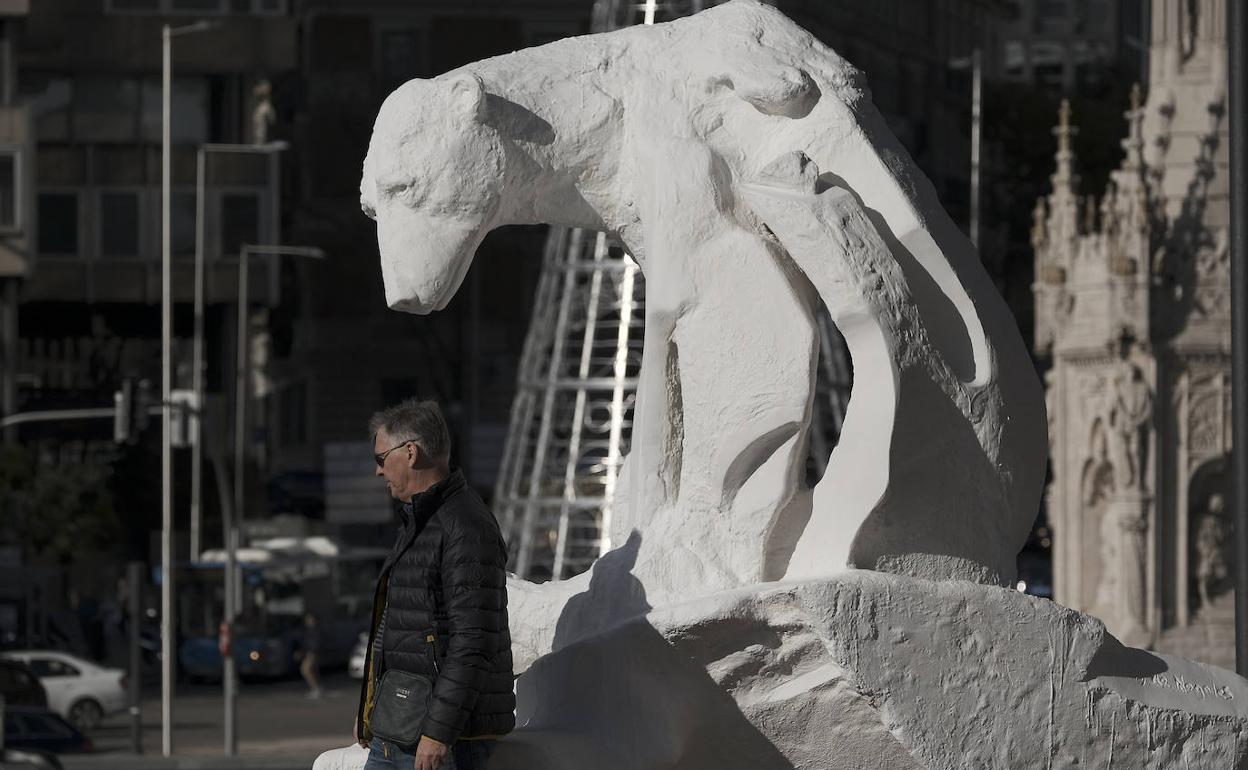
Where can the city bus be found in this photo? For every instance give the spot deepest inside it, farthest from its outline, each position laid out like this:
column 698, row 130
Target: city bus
column 282, row 579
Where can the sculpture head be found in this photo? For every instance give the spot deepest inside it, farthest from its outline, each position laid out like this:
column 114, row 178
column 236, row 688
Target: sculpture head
column 432, row 180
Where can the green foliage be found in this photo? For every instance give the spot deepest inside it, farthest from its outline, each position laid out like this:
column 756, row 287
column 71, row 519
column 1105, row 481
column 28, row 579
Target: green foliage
column 55, row 511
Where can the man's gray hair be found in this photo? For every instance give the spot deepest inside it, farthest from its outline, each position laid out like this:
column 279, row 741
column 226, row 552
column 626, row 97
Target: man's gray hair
column 417, row 421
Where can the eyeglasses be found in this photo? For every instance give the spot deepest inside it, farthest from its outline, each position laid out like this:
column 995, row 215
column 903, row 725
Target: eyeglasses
column 381, row 456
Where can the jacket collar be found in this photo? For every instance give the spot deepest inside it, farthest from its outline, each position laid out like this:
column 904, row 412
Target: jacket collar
column 424, row 504
column 415, row 514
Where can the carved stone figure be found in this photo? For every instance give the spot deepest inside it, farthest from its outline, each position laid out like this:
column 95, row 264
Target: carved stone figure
column 740, row 162
column 1132, row 420
column 1211, row 542
column 263, row 114
column 1154, row 274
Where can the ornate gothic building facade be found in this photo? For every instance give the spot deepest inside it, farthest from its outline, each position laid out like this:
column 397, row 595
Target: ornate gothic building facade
column 1133, row 311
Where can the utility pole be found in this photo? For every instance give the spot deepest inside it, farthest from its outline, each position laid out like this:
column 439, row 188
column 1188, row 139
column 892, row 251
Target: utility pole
column 168, row 654
column 975, row 63
column 197, row 362
column 976, row 89
column 134, row 577
column 239, row 506
column 197, row 343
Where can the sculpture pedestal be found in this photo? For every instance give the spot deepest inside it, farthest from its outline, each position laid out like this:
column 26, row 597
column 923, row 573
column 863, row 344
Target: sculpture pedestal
column 870, row 670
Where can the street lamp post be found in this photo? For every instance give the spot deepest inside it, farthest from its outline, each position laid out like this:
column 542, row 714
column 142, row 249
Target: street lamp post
column 974, row 63
column 976, row 87
column 197, row 346
column 168, row 654
column 240, row 447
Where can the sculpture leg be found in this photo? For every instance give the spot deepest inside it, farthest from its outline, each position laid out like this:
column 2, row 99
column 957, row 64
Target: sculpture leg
column 726, row 393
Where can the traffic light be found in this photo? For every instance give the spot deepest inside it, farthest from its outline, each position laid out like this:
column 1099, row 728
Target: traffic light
column 131, row 405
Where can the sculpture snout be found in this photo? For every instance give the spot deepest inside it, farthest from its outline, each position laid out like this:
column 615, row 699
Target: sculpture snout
column 423, row 260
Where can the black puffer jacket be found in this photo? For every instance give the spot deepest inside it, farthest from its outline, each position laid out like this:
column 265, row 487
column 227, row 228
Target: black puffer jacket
column 443, row 596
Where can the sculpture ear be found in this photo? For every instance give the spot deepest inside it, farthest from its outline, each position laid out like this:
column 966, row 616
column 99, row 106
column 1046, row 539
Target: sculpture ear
column 467, row 96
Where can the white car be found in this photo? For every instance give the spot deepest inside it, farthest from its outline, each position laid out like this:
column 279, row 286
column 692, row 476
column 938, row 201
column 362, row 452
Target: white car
column 79, row 690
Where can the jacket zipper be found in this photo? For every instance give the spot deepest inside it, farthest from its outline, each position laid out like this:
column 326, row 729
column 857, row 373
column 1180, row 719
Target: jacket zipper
column 433, row 650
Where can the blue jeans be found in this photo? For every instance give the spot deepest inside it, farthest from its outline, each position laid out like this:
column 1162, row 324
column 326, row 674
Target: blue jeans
column 464, row 755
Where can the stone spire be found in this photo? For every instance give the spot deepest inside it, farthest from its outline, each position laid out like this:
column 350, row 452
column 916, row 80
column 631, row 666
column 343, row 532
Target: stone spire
column 1063, row 222
column 1133, row 144
column 1130, row 179
column 1064, row 176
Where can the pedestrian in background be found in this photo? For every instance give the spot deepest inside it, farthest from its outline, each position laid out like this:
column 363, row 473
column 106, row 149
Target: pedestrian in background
column 439, row 610
column 310, row 666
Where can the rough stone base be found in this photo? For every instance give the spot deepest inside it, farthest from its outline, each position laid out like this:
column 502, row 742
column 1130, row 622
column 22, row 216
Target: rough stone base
column 868, row 670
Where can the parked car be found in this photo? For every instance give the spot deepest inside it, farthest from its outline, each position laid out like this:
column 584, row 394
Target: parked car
column 79, row 690
column 20, row 686
column 27, row 760
column 42, row 731
column 355, row 665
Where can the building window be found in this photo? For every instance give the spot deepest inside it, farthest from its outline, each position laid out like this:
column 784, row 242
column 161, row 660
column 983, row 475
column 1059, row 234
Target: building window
column 132, row 6
column 1050, row 16
column 202, row 7
column 51, row 99
column 341, row 44
column 399, row 49
column 191, row 109
column 1015, row 58
column 182, row 223
column 119, row 224
column 268, row 7
column 196, row 6
column 293, row 415
column 10, row 190
column 58, row 223
column 105, row 109
column 240, row 221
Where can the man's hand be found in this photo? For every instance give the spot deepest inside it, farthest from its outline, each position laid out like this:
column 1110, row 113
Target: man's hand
column 355, row 732
column 429, row 753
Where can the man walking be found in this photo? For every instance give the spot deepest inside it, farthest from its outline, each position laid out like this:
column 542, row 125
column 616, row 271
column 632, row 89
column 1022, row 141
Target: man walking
column 440, row 606
column 310, row 666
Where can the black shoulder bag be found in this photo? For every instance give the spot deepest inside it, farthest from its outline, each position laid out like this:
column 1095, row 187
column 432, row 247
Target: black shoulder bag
column 401, row 707
column 402, row 702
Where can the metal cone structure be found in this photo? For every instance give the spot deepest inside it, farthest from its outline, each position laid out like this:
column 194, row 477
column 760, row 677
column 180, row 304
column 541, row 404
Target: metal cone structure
column 572, row 416
column 571, row 420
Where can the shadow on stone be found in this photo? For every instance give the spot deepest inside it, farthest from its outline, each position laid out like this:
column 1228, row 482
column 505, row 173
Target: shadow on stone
column 626, row 699
column 614, row 596
column 1115, row 659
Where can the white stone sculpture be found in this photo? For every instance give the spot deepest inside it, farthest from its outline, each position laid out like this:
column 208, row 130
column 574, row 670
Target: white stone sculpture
column 263, row 114
column 1133, row 421
column 743, row 164
column 669, row 136
column 1211, row 541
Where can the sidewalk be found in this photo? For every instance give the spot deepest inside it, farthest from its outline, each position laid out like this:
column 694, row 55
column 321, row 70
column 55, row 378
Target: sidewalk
column 278, row 728
column 157, row 762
